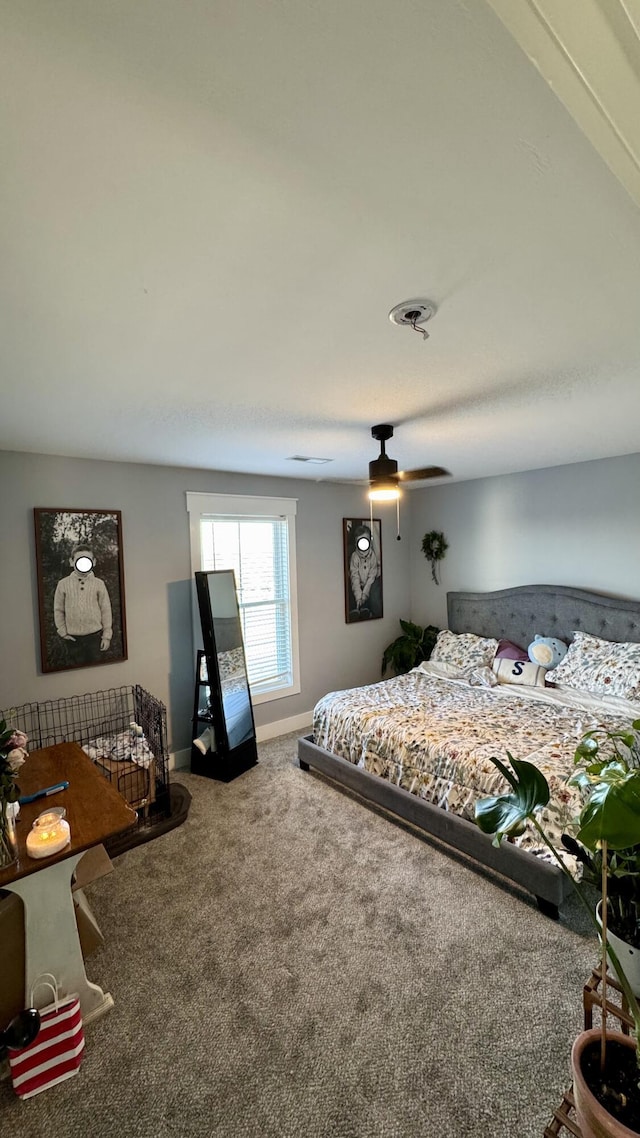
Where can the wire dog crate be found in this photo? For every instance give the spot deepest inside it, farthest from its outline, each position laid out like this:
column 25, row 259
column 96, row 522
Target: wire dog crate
column 124, row 731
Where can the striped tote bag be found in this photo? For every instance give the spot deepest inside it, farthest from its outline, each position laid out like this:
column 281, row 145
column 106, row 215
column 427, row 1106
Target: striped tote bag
column 57, row 1050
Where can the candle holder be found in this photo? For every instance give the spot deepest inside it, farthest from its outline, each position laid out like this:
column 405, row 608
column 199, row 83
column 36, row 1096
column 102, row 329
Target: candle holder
column 49, row 834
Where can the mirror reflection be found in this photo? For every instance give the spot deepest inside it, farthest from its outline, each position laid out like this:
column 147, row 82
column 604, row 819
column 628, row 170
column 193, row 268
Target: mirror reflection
column 224, row 638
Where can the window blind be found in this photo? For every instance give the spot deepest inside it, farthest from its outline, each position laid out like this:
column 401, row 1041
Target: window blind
column 257, row 549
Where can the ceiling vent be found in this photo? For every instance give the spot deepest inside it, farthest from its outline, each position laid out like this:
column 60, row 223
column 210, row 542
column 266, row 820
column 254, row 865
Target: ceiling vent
column 308, row 458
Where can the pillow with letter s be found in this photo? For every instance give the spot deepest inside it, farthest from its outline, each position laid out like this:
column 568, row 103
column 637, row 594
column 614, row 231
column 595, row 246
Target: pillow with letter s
column 519, row 672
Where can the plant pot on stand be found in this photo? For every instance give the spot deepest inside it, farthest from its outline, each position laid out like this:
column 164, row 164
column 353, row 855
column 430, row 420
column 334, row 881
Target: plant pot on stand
column 602, row 1059
column 597, row 1119
column 594, row 1119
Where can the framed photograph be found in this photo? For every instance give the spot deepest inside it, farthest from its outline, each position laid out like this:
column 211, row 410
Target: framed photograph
column 80, row 588
column 362, row 540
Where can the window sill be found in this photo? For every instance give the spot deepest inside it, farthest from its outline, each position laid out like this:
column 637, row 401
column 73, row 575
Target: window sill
column 275, row 693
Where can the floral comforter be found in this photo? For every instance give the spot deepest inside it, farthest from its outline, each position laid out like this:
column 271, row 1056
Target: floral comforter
column 435, row 736
column 233, row 675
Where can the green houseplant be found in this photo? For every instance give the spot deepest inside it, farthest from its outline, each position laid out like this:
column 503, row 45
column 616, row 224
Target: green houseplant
column 410, row 649
column 607, row 1092
column 623, row 899
column 598, row 749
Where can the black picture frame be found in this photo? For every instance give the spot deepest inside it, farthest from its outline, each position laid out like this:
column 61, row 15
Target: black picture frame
column 358, row 570
column 58, row 532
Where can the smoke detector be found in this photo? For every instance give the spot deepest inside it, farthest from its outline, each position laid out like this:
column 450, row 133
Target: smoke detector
column 413, row 313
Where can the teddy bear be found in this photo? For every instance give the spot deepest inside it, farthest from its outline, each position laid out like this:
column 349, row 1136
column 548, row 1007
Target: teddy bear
column 546, row 651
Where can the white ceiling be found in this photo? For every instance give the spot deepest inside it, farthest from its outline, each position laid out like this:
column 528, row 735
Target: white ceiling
column 209, row 208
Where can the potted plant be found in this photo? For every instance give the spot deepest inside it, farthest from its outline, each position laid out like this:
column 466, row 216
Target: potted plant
column 623, row 897
column 606, row 1074
column 597, row 749
column 410, row 649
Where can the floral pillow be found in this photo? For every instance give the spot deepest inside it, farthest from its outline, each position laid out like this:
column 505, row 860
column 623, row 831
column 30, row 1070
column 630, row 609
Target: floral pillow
column 464, row 649
column 599, row 666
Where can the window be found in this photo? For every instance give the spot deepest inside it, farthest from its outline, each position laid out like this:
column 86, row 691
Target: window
column 256, row 538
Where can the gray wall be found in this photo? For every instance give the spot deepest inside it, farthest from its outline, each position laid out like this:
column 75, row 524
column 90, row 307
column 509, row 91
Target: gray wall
column 157, row 572
column 572, row 525
column 568, row 525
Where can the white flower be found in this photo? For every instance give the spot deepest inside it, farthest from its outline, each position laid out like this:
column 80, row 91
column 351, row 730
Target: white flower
column 16, row 758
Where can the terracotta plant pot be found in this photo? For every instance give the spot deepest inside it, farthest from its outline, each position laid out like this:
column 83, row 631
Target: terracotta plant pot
column 593, row 1119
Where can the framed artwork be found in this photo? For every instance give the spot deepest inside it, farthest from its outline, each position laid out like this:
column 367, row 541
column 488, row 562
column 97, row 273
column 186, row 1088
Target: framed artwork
column 362, row 539
column 80, row 575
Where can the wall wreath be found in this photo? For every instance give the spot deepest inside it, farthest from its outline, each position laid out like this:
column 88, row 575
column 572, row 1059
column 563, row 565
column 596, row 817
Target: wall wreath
column 434, row 547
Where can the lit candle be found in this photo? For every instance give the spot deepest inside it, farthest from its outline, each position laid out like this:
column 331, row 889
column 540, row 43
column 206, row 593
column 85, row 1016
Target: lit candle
column 49, row 834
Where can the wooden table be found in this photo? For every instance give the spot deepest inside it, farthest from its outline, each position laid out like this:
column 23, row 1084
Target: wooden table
column 95, row 811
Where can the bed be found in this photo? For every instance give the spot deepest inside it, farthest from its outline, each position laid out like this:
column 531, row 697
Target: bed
column 459, row 723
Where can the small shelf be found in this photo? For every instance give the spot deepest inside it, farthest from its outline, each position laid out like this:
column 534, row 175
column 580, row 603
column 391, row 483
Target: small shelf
column 211, row 764
column 202, row 718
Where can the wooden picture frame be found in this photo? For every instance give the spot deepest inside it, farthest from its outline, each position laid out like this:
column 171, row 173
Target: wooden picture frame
column 82, row 612
column 362, row 569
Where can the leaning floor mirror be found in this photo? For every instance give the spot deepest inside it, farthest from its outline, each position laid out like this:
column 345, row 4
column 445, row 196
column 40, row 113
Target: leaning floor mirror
column 231, row 741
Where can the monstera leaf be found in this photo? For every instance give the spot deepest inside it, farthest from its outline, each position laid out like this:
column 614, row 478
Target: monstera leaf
column 505, row 815
column 612, row 813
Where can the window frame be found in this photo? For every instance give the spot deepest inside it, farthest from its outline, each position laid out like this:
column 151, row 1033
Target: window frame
column 203, row 505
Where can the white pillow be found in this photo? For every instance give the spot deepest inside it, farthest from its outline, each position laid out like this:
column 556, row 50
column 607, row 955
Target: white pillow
column 519, row 672
column 465, row 649
column 602, row 667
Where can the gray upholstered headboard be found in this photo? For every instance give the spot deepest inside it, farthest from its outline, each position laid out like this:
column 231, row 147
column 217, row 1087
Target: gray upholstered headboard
column 550, row 610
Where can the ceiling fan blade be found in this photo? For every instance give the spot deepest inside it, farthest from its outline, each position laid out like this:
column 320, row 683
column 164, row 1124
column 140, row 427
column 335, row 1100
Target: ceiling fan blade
column 421, row 474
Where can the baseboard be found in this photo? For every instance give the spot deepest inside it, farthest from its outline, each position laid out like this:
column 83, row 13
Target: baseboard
column 181, row 760
column 284, row 726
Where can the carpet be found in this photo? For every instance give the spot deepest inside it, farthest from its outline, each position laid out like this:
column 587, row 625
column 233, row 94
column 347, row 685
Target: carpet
column 290, row 963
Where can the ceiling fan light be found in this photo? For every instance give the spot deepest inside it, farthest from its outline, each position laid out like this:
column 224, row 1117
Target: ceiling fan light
column 384, row 493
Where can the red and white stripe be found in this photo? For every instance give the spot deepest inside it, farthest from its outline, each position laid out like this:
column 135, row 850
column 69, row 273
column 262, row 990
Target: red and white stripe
column 55, row 1054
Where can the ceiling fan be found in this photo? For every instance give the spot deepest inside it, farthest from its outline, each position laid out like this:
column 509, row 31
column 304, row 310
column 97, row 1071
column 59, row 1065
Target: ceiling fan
column 384, row 476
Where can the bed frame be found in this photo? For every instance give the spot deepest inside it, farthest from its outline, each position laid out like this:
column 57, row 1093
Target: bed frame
column 516, row 614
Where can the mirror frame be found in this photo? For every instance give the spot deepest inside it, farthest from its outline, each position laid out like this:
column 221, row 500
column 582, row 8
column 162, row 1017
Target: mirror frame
column 232, row 760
